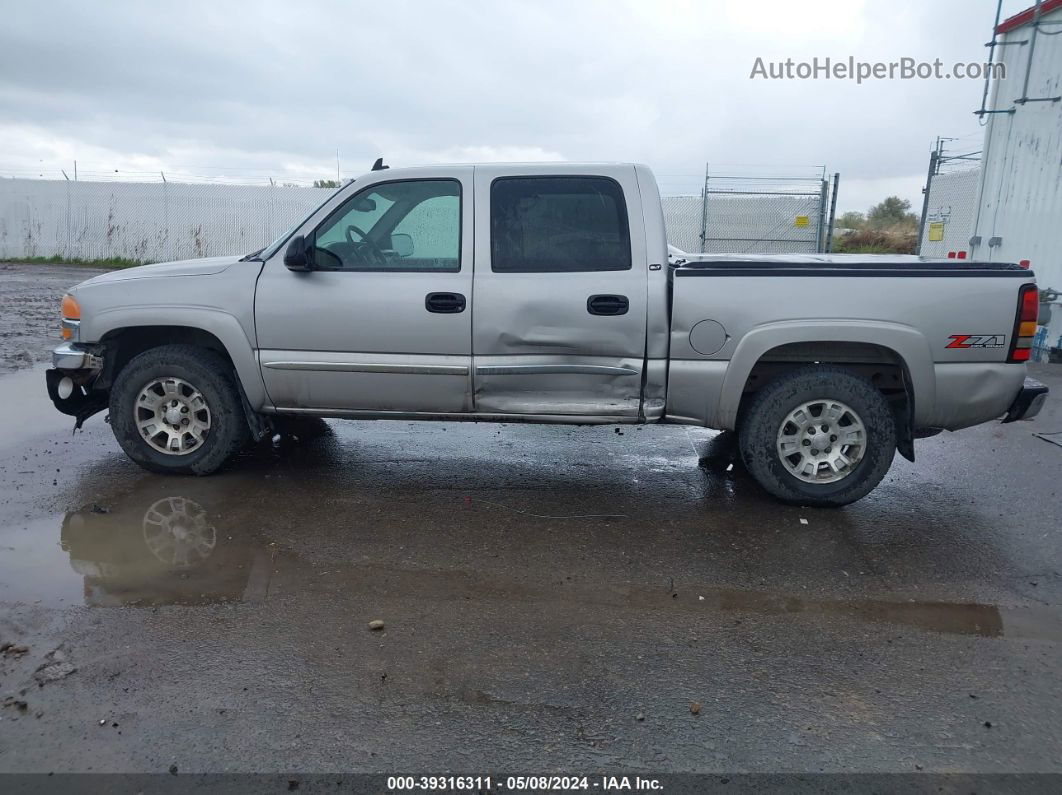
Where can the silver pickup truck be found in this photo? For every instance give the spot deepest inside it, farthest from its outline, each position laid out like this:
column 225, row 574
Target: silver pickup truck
column 544, row 293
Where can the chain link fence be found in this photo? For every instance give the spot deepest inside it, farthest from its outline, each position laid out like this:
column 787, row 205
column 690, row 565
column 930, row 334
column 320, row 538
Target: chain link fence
column 752, row 215
column 949, row 211
column 162, row 221
column 682, row 219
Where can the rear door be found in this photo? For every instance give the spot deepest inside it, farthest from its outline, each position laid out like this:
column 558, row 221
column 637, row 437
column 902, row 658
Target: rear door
column 560, row 292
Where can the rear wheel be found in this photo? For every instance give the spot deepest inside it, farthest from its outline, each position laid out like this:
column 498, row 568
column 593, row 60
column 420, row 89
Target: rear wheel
column 176, row 409
column 821, row 435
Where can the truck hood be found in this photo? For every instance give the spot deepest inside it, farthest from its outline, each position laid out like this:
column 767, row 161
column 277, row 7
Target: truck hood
column 188, row 267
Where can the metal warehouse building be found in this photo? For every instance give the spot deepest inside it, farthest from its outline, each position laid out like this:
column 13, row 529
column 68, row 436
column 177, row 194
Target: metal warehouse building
column 1019, row 206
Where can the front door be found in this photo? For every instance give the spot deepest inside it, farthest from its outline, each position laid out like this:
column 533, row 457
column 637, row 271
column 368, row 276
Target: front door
column 383, row 322
column 560, row 284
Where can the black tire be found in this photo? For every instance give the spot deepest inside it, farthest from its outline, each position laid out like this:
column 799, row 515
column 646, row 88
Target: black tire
column 761, row 423
column 212, row 376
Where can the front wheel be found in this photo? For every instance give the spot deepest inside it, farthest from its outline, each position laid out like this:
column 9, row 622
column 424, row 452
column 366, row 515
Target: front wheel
column 176, row 409
column 821, row 436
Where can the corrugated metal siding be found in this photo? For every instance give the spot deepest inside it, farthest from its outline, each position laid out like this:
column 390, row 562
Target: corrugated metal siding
column 1021, row 188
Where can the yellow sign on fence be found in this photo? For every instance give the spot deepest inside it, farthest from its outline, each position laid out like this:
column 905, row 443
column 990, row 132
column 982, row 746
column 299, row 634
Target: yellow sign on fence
column 936, row 230
column 802, row 220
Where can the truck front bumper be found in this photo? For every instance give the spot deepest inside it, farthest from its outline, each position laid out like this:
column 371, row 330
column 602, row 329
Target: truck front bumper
column 1028, row 402
column 69, row 356
column 70, row 382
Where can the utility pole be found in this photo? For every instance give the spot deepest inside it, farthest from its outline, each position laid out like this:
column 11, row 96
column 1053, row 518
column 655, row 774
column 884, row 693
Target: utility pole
column 337, row 164
column 704, row 207
column 833, row 212
column 820, row 232
column 75, row 171
column 934, row 158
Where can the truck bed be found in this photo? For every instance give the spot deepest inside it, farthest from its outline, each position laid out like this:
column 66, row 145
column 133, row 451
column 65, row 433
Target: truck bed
column 729, row 310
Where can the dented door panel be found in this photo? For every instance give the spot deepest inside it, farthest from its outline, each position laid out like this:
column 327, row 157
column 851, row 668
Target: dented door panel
column 544, row 342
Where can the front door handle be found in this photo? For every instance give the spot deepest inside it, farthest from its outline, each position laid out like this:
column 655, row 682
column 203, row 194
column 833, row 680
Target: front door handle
column 607, row 304
column 444, row 303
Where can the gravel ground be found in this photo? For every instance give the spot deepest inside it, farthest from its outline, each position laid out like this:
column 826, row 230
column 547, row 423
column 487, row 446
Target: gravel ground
column 29, row 310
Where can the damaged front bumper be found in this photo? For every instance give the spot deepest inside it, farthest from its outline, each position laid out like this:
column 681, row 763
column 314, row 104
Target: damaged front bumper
column 1028, row 402
column 71, row 356
column 70, row 383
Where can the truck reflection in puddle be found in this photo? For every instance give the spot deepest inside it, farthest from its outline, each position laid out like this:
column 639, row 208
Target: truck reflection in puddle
column 171, row 549
column 169, row 552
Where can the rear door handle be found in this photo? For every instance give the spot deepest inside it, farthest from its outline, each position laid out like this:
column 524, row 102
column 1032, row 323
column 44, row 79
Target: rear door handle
column 444, row 303
column 607, row 304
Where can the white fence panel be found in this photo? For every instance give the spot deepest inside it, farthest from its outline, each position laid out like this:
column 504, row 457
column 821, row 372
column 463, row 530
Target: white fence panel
column 159, row 221
column 154, row 222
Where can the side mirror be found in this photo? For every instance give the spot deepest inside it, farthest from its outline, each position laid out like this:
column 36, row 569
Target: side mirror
column 402, row 245
column 299, row 256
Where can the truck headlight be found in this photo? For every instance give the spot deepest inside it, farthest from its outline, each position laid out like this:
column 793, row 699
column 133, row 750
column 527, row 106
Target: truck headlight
column 71, row 323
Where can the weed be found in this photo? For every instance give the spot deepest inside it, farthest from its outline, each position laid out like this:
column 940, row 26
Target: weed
column 107, row 262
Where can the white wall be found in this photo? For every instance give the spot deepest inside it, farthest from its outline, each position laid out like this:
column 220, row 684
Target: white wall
column 145, row 221
column 1021, row 187
column 157, row 222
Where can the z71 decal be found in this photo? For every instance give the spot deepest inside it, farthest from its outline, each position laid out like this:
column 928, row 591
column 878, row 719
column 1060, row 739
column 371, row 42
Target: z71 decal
column 976, row 341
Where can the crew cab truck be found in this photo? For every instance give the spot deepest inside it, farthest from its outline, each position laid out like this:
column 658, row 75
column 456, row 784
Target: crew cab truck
column 543, row 293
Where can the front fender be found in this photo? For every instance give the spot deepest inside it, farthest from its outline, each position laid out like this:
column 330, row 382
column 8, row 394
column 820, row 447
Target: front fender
column 906, row 342
column 223, row 325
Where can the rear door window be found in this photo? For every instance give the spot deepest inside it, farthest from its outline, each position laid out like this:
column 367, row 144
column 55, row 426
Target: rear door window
column 558, row 225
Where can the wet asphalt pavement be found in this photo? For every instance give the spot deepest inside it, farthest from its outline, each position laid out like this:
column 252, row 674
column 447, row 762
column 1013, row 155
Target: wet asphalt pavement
column 554, row 599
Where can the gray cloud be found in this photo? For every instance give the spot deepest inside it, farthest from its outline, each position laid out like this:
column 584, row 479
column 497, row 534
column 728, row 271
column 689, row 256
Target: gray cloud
column 255, row 89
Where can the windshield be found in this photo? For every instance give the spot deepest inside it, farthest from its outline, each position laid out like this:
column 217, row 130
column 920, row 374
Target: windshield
column 267, row 252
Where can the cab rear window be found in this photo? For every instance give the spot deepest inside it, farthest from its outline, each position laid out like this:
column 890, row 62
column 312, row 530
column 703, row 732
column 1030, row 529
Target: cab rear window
column 558, row 224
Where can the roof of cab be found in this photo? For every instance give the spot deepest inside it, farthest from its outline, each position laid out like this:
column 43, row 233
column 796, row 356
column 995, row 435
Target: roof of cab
column 537, row 166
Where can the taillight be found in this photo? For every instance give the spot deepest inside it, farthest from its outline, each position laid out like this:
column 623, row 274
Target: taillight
column 1025, row 324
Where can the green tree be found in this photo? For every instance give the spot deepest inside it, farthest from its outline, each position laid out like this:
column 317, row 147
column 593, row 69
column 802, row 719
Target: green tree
column 851, row 220
column 325, row 183
column 893, row 211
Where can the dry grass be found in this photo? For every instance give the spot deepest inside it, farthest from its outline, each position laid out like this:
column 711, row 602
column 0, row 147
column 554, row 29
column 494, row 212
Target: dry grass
column 894, row 240
column 109, row 262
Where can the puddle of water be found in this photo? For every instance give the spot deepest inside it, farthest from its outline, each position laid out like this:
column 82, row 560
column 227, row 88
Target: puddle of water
column 160, row 550
column 156, row 546
column 948, row 617
column 27, row 410
column 34, row 568
column 171, row 552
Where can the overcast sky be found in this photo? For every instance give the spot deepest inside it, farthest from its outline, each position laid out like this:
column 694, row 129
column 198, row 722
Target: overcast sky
column 231, row 90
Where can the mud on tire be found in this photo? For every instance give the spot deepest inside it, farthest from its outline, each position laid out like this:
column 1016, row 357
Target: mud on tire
column 214, row 380
column 762, row 425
